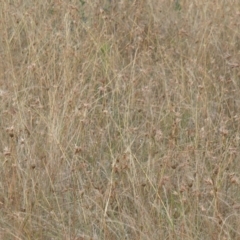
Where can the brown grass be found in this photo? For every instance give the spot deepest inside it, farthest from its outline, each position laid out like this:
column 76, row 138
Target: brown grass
column 119, row 120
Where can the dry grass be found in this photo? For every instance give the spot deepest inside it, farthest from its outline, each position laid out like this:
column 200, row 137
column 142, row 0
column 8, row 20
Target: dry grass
column 119, row 120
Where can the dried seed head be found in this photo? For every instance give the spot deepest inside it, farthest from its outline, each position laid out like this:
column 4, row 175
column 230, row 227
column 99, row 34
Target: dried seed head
column 22, row 141
column 10, row 131
column 77, row 149
column 6, row 151
column 208, row 181
column 233, row 178
column 33, row 166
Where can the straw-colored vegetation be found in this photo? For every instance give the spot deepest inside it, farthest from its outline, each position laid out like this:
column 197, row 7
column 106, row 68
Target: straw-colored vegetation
column 119, row 119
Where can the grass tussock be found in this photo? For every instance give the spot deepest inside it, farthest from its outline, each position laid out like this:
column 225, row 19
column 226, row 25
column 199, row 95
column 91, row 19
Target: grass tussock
column 119, row 119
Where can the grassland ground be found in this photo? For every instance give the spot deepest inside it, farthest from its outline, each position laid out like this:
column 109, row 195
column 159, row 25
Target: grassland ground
column 119, row 120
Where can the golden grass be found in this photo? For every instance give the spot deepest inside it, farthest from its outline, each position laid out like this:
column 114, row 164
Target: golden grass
column 119, row 120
